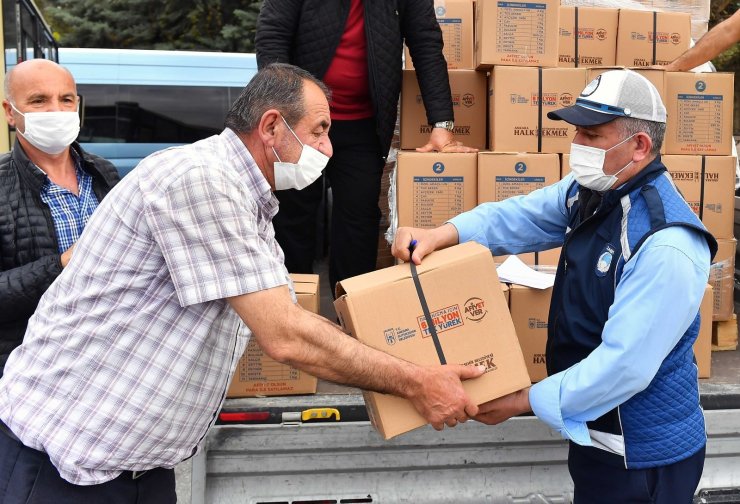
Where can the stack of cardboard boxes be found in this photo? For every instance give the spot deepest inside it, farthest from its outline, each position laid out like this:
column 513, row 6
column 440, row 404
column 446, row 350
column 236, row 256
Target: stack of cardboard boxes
column 699, row 157
column 699, row 10
column 523, row 60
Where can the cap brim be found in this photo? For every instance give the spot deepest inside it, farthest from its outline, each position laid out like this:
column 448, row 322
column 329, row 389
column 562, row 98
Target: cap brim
column 580, row 116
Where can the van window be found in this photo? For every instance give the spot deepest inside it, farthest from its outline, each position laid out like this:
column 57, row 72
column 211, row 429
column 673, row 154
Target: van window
column 153, row 113
column 136, row 102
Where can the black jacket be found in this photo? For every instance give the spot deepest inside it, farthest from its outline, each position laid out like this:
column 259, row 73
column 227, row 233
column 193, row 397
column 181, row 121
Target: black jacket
column 29, row 259
column 306, row 33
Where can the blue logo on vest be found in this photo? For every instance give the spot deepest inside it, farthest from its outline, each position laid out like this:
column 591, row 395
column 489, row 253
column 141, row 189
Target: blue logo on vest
column 520, row 167
column 605, row 261
column 701, row 86
column 438, row 167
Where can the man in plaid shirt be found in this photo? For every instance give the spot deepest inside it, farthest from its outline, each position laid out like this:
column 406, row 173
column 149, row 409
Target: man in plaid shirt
column 126, row 361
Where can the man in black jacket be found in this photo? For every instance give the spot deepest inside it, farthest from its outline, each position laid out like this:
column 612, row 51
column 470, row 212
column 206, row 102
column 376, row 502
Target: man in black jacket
column 49, row 187
column 355, row 47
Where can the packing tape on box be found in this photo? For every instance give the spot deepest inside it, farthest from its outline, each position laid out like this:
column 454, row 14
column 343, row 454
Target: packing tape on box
column 577, row 36
column 539, row 111
column 425, row 307
column 655, row 36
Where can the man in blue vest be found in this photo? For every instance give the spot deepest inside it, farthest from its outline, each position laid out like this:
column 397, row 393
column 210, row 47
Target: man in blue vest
column 622, row 384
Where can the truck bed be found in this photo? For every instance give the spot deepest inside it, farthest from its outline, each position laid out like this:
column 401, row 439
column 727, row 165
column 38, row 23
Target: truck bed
column 280, row 460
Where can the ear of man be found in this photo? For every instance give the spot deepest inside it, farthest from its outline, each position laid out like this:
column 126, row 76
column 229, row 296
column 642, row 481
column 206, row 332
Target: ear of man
column 267, row 126
column 8, row 113
column 644, row 147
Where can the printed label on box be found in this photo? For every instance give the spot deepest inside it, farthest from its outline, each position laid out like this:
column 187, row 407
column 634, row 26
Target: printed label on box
column 395, row 334
column 437, row 200
column 443, row 320
column 475, row 309
column 520, row 30
column 508, row 186
column 452, row 34
column 699, row 119
column 485, row 361
column 255, row 366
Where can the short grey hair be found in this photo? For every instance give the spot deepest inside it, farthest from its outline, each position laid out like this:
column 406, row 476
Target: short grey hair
column 629, row 126
column 277, row 86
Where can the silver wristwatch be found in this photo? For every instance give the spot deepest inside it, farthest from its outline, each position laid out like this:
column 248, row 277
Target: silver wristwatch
column 448, row 125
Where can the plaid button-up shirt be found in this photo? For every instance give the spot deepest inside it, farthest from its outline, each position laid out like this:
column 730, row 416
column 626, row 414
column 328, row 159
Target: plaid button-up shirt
column 70, row 212
column 127, row 359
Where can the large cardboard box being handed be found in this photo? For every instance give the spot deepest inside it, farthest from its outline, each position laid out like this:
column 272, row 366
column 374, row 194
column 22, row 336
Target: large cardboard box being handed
column 468, row 311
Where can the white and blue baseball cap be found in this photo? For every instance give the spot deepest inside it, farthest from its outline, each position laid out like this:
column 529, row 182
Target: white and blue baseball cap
column 613, row 94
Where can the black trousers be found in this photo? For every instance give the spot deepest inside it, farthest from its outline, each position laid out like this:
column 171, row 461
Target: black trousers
column 354, row 174
column 599, row 482
column 27, row 476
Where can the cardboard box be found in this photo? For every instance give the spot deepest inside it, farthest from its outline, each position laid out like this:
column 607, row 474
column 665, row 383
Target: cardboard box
column 462, row 290
column 724, row 334
column 433, row 187
column 700, row 108
column 468, row 102
column 516, row 33
column 722, row 278
column 708, row 186
column 648, row 38
column 530, row 309
column 502, row 175
column 703, row 343
column 546, row 259
column 307, row 291
column 527, row 258
column 516, row 114
column 596, row 44
column 455, row 18
column 257, row 374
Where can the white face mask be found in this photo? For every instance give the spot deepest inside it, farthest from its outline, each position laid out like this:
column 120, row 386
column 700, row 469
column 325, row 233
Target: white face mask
column 587, row 165
column 303, row 173
column 50, row 132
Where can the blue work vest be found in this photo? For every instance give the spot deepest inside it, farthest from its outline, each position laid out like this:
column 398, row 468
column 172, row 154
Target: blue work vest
column 663, row 423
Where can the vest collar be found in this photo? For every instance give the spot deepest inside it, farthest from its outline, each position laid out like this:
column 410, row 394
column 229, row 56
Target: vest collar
column 646, row 175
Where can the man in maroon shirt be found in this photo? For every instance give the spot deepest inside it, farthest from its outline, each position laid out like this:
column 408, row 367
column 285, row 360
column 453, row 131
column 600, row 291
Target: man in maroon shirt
column 355, row 47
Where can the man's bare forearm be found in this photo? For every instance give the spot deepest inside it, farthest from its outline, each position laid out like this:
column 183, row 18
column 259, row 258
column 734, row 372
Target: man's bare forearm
column 714, row 42
column 329, row 353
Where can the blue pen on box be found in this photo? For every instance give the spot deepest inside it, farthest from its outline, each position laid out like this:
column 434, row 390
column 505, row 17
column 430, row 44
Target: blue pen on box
column 412, row 244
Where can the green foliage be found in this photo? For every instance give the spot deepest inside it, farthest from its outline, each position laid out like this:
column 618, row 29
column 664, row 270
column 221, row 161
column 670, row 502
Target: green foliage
column 205, row 25
column 728, row 61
